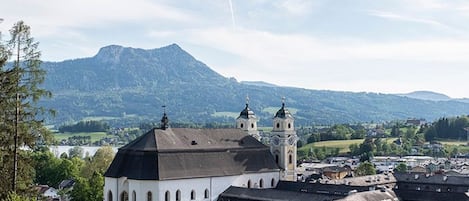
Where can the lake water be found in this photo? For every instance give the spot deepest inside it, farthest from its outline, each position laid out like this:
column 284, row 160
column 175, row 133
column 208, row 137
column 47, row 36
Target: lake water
column 58, row 150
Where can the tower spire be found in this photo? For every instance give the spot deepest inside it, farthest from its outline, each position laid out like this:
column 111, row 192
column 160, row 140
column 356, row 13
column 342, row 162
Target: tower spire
column 164, row 120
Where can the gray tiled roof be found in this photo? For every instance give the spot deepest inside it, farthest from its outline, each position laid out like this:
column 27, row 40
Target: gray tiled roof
column 176, row 153
column 432, row 179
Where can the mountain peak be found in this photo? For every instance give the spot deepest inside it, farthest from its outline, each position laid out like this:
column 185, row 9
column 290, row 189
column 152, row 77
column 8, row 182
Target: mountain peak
column 427, row 95
column 109, row 53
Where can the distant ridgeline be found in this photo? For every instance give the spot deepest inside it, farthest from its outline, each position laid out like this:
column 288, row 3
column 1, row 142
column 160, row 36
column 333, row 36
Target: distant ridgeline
column 126, row 86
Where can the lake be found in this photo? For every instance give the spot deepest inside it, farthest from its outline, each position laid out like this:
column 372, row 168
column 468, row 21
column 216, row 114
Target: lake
column 90, row 150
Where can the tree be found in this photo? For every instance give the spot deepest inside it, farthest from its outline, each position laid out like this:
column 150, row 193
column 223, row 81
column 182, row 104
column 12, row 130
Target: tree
column 20, row 114
column 402, row 167
column 365, row 168
column 99, row 162
column 75, row 152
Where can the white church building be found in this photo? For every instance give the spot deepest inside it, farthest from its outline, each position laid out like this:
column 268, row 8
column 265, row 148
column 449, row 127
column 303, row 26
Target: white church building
column 179, row 164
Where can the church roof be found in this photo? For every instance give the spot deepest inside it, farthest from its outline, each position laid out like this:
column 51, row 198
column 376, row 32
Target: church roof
column 283, row 113
column 247, row 113
column 177, row 153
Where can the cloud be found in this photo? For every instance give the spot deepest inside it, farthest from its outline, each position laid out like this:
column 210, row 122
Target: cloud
column 394, row 16
column 296, row 7
column 269, row 48
column 55, row 15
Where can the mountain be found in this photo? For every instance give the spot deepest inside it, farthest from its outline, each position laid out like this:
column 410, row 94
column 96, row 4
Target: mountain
column 128, row 85
column 427, row 95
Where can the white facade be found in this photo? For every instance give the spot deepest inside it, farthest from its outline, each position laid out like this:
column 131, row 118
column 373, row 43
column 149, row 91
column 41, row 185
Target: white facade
column 283, row 144
column 198, row 189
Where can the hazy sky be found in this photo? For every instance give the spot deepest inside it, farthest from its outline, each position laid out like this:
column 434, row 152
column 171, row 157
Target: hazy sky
column 393, row 46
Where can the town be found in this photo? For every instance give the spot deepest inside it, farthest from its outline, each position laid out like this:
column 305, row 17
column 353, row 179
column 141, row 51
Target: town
column 284, row 100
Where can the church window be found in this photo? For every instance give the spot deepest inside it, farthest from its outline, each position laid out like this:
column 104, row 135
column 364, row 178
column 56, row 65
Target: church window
column 192, row 195
column 278, row 125
column 252, row 125
column 206, row 193
column 149, row 196
column 167, row 196
column 261, row 183
column 178, row 195
column 272, row 182
column 124, row 196
column 289, row 125
column 134, row 196
column 109, row 196
column 290, row 159
column 276, row 158
column 242, row 125
column 249, row 183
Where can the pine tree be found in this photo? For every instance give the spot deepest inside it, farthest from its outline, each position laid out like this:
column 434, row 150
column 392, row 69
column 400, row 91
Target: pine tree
column 19, row 113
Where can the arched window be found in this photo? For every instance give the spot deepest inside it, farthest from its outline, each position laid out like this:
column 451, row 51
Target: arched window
column 124, row 196
column 178, row 195
column 252, row 125
column 167, row 196
column 134, row 196
column 278, row 125
column 261, row 183
column 290, row 159
column 249, row 183
column 149, row 196
column 109, row 196
column 192, row 195
column 272, row 182
column 289, row 125
column 242, row 125
column 276, row 158
column 206, row 194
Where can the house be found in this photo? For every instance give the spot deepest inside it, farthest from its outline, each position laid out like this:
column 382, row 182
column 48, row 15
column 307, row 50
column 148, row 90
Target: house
column 427, row 187
column 47, row 193
column 336, row 172
column 369, row 188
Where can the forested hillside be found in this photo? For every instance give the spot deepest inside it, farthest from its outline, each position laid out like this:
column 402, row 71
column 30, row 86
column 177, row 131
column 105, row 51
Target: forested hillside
column 128, row 85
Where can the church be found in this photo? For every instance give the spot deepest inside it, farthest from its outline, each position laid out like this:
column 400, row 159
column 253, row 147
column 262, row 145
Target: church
column 176, row 164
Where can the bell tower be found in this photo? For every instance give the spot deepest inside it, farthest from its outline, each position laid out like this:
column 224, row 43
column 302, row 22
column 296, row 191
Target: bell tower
column 283, row 143
column 247, row 121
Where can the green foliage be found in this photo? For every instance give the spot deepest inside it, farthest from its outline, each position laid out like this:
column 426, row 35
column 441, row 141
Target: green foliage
column 12, row 196
column 448, row 128
column 76, row 152
column 401, row 167
column 85, row 126
column 87, row 173
column 88, row 189
column 21, row 117
column 365, row 168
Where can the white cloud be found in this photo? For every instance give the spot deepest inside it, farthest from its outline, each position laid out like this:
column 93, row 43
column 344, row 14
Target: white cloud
column 296, row 7
column 394, row 16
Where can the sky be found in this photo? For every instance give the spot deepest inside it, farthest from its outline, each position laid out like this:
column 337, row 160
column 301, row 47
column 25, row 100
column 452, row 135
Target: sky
column 396, row 46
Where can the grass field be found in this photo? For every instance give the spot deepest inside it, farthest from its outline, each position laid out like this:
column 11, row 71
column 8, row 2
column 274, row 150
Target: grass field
column 95, row 136
column 343, row 145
